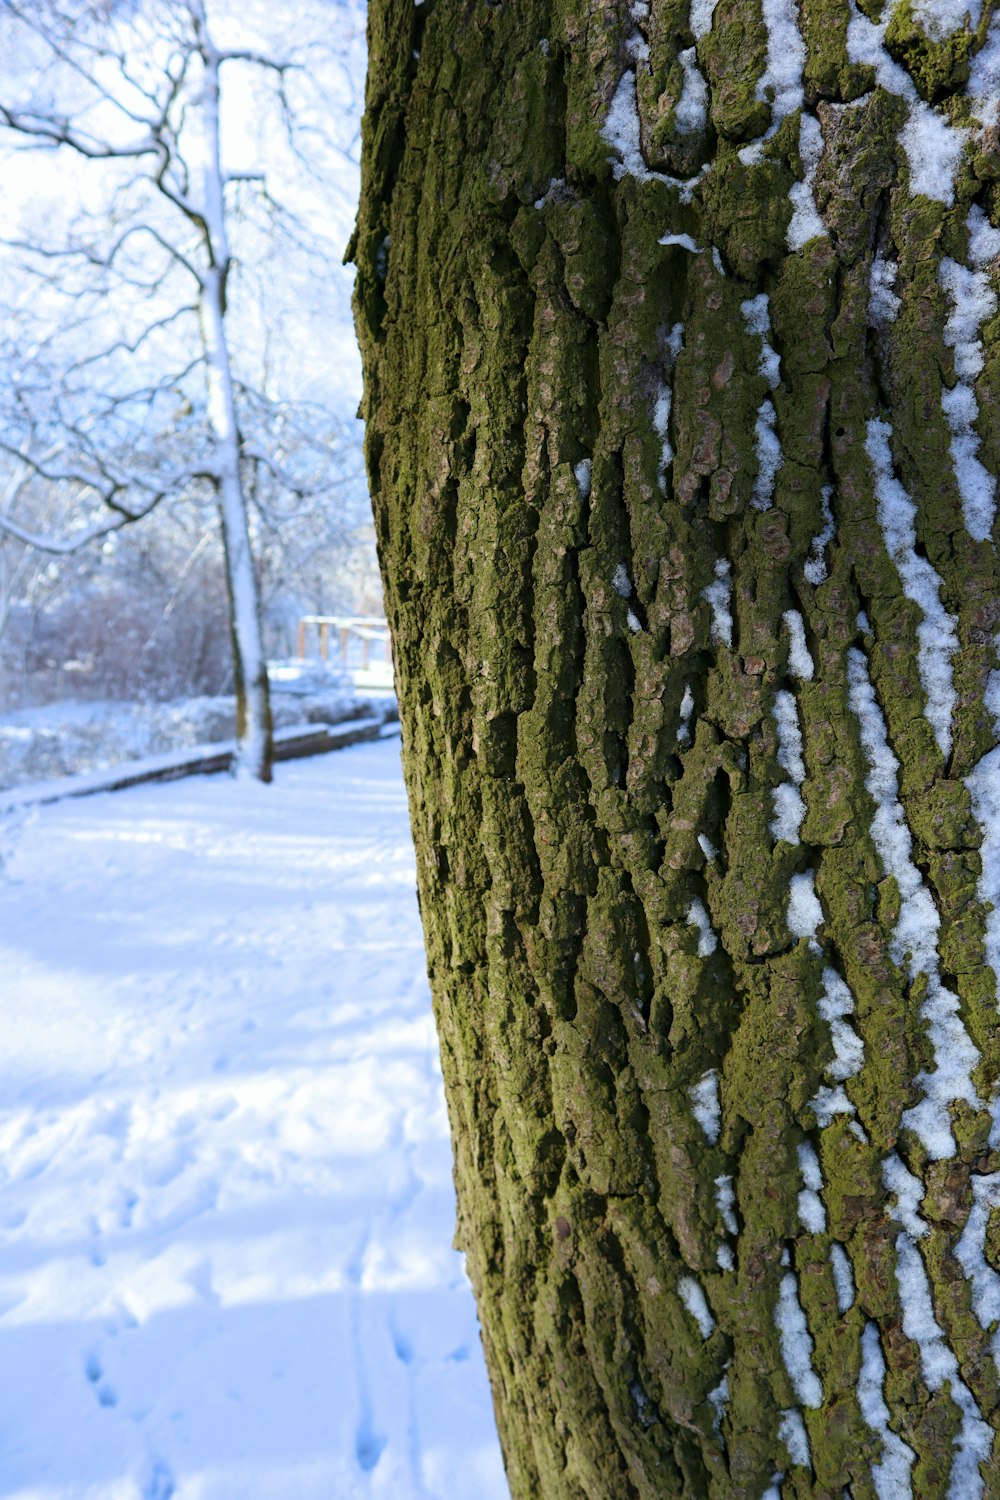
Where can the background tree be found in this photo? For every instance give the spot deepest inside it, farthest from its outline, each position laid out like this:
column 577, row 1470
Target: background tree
column 126, row 382
column 682, row 375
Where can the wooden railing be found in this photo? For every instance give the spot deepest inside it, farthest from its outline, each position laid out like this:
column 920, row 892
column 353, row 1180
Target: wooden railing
column 368, row 629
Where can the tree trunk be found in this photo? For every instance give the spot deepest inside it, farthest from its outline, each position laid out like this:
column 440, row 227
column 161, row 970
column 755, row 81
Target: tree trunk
column 254, row 730
column 682, row 376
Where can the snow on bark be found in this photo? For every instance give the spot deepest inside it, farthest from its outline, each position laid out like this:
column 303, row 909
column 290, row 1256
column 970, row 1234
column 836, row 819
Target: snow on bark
column 555, row 183
column 891, row 1476
column 835, row 1004
column 983, row 783
column 693, row 1297
column 704, row 1096
column 698, row 917
column 582, row 472
column 686, row 710
column 940, row 18
column 691, row 114
column 718, row 1399
column 806, row 223
column 826, row 1103
column 984, row 238
column 811, row 1210
column 725, row 1202
column 661, row 420
column 937, row 637
column 725, row 1259
column 786, row 58
column 973, row 302
column 800, row 663
column 908, row 1191
column 781, row 84
column 938, row 1363
column 769, row 455
column 786, row 717
column 804, row 915
column 970, row 1252
column 984, row 77
column 915, row 937
column 684, row 241
column 815, row 567
column 717, row 596
column 792, row 1432
column 883, row 303
column 623, row 134
column 664, row 396
column 843, row 1277
column 932, row 145
column 636, row 45
column 934, row 150
column 757, row 317
column 621, row 131
column 796, row 1343
column 701, row 15
column 789, row 808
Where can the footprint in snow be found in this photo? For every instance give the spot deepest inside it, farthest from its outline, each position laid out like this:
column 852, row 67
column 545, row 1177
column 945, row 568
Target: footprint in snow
column 368, row 1448
column 160, row 1483
column 199, row 1279
column 106, row 1394
column 122, row 1320
column 402, row 1347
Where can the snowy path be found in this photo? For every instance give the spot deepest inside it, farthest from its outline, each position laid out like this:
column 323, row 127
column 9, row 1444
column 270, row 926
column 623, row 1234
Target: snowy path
column 225, row 1187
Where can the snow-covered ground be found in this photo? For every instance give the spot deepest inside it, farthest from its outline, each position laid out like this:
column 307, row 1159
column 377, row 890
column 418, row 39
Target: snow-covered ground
column 70, row 736
column 225, row 1186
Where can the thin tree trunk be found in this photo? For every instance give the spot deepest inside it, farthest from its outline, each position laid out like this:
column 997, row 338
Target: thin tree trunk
column 253, row 706
column 679, row 328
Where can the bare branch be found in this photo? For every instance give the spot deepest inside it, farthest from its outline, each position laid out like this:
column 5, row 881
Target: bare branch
column 259, row 59
column 59, row 132
column 106, row 262
column 63, row 546
column 58, row 476
column 124, row 347
column 75, row 65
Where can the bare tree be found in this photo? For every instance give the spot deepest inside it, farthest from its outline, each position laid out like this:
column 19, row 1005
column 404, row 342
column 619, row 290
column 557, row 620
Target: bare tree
column 123, row 384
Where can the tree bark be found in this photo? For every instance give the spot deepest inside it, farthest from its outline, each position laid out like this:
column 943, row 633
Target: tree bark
column 682, row 375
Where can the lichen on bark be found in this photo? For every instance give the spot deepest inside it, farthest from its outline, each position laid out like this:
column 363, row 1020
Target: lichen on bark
column 596, row 603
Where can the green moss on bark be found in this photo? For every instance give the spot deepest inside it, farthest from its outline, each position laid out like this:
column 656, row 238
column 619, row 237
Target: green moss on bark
column 590, row 619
